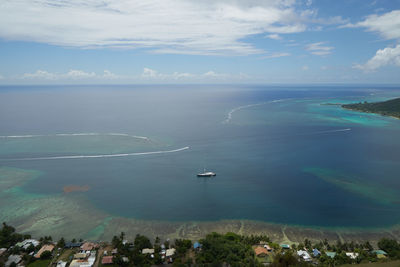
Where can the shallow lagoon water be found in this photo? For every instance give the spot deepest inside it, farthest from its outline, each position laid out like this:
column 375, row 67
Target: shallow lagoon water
column 280, row 156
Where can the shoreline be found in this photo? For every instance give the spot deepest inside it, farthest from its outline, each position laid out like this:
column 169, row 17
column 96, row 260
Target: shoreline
column 54, row 214
column 368, row 112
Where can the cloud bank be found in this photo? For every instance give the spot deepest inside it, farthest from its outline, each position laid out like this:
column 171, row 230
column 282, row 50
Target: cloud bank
column 383, row 57
column 163, row 26
column 388, row 26
column 70, row 75
column 147, row 75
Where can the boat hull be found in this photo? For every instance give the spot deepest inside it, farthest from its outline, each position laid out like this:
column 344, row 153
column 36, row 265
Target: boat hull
column 206, row 175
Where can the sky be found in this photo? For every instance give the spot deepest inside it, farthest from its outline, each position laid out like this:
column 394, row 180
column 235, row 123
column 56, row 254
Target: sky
column 192, row 41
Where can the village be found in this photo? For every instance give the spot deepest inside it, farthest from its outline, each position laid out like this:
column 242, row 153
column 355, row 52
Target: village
column 221, row 250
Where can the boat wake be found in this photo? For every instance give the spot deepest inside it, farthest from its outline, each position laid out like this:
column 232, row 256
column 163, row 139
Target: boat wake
column 230, row 113
column 102, row 155
column 75, row 134
column 325, row 132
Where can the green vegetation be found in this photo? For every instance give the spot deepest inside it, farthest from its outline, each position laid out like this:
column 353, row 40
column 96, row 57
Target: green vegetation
column 41, row 263
column 392, row 247
column 386, row 108
column 8, row 237
column 228, row 249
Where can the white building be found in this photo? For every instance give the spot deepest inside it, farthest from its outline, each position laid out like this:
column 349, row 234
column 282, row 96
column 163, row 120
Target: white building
column 304, row 255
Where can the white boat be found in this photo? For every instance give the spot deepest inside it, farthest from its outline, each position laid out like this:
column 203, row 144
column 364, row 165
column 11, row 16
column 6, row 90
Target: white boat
column 206, row 174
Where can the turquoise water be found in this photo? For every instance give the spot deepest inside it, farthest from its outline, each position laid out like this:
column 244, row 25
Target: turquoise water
column 280, row 156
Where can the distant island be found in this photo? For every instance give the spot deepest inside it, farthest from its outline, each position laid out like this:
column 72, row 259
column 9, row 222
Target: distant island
column 385, row 108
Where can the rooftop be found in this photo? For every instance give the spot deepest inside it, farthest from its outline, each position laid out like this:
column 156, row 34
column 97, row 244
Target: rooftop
column 43, row 249
column 107, row 260
column 260, row 251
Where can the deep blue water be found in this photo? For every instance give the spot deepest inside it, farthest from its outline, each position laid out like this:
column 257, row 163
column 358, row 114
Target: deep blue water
column 261, row 155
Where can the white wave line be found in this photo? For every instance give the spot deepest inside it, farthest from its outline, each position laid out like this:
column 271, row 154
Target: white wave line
column 230, row 113
column 103, row 155
column 75, row 134
column 328, row 131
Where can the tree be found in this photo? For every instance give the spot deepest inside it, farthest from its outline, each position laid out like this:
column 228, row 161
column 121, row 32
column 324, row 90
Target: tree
column 229, row 248
column 8, row 237
column 45, row 255
column 142, row 242
column 390, row 246
column 61, row 243
column 284, row 260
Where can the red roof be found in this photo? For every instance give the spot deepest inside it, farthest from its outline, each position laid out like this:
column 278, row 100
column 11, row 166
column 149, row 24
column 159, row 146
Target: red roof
column 107, row 260
column 260, row 251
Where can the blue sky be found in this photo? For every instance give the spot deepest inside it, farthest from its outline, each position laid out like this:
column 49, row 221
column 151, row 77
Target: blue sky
column 187, row 41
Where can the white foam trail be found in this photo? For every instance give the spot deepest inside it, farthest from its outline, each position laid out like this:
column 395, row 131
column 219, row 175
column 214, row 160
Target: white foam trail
column 75, row 134
column 329, row 131
column 104, row 155
column 230, row 113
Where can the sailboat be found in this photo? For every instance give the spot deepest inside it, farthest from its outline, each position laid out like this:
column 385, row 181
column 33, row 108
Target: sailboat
column 206, row 174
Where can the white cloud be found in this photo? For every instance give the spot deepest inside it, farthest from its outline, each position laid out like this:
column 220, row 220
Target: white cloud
column 150, row 74
column 70, row 75
column 109, row 75
column 1, row 77
column 305, row 68
column 276, row 55
column 383, row 57
column 387, row 25
column 40, row 74
column 319, row 49
column 274, row 36
column 214, row 74
column 78, row 74
column 164, row 26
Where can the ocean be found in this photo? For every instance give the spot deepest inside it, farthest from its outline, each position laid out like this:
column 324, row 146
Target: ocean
column 282, row 154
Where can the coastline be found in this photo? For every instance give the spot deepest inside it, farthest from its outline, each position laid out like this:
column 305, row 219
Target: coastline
column 377, row 113
column 54, row 215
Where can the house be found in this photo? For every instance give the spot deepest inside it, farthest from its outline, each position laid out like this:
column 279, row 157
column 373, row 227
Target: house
column 352, row 255
column 304, row 255
column 197, row 245
column 170, row 252
column 80, row 256
column 92, row 258
column 316, row 252
column 330, row 254
column 13, row 258
column 72, row 245
column 27, row 243
column 114, row 251
column 380, row 254
column 79, row 263
column 43, row 249
column 88, row 246
column 261, row 251
column 148, row 251
column 285, row 246
column 107, row 260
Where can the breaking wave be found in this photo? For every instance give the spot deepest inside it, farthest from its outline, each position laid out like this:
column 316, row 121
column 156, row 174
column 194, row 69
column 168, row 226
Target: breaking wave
column 230, row 113
column 75, row 134
column 102, row 155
